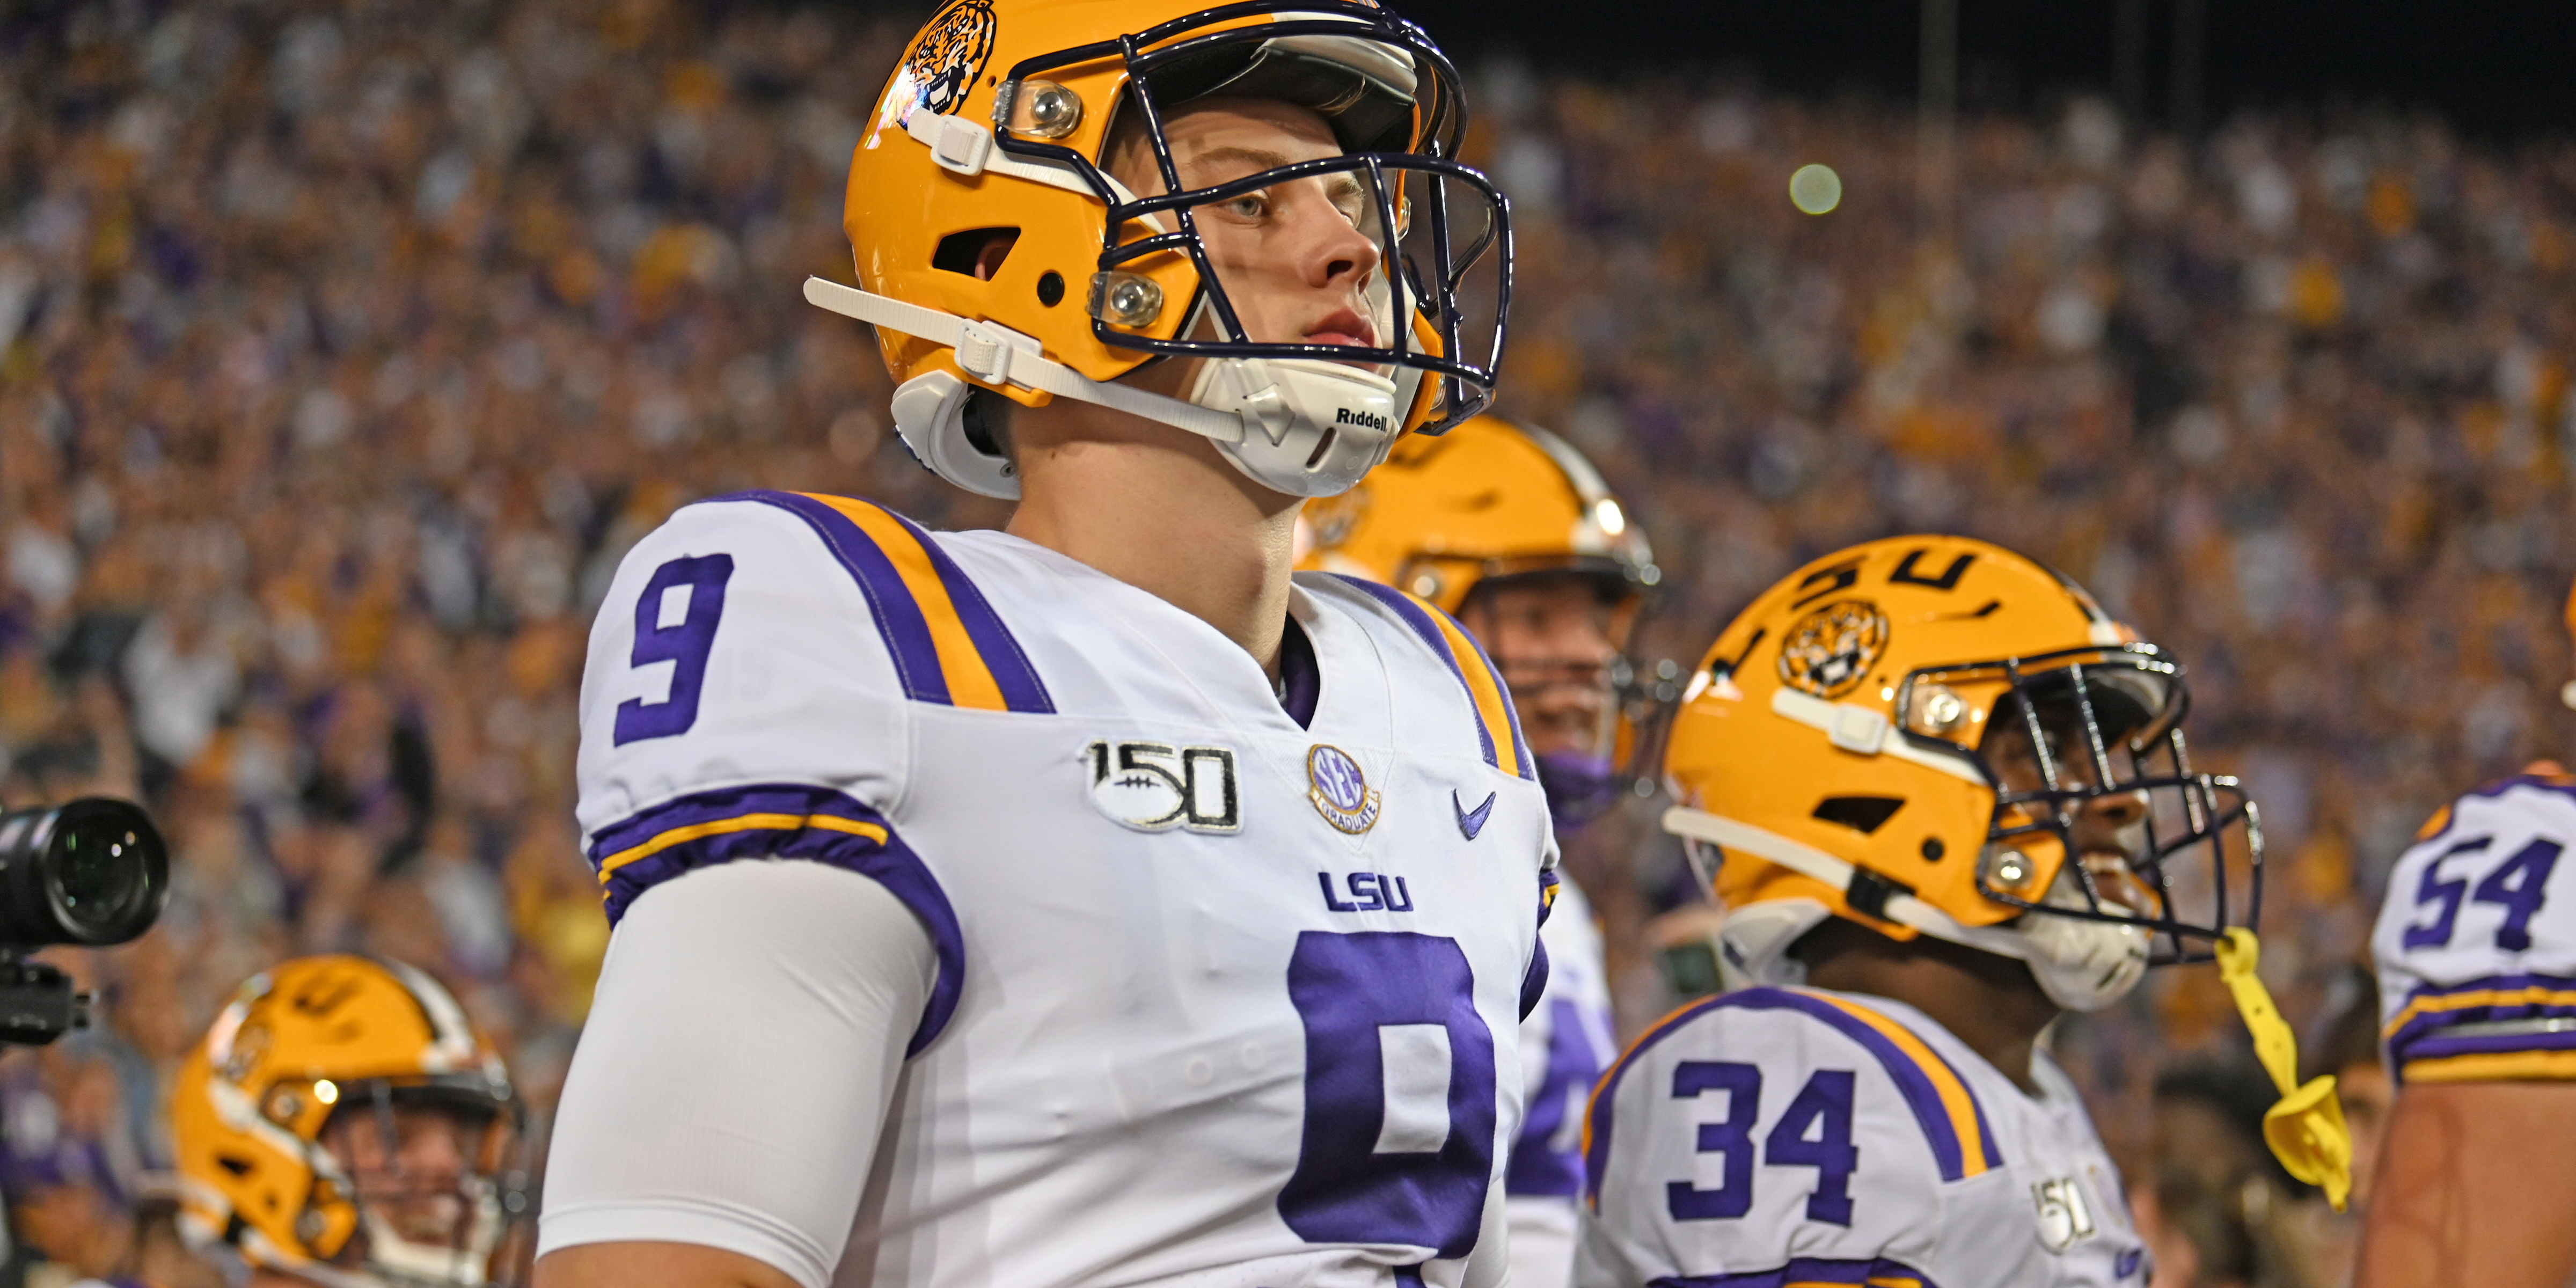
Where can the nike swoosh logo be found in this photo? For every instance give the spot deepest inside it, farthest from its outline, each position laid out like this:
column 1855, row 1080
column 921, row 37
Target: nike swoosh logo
column 1471, row 821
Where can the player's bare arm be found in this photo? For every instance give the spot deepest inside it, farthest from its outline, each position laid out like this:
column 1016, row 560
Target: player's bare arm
column 2476, row 953
column 2472, row 1188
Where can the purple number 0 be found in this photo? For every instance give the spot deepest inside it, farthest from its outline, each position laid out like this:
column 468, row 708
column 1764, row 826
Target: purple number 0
column 686, row 645
column 1347, row 988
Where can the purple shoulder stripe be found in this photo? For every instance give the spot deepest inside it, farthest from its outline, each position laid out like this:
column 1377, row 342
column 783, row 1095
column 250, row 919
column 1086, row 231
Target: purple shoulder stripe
column 783, row 821
column 1012, row 671
column 898, row 615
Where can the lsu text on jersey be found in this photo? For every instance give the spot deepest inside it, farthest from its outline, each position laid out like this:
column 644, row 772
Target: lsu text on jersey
column 1223, row 996
column 2476, row 944
column 1776, row 1136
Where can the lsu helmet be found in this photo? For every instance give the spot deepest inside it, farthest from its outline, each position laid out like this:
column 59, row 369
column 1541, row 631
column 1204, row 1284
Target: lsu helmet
column 1488, row 502
column 315, row 1039
column 1834, row 750
column 994, row 131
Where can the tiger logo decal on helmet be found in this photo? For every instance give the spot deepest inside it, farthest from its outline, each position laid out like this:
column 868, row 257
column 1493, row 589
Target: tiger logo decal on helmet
column 1829, row 650
column 947, row 58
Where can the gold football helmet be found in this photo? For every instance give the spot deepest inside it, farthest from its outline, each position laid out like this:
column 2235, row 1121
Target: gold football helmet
column 1488, row 502
column 1842, row 749
column 991, row 139
column 319, row 1050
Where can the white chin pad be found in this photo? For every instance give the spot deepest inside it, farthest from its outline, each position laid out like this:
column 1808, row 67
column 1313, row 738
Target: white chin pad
column 2082, row 965
column 1311, row 428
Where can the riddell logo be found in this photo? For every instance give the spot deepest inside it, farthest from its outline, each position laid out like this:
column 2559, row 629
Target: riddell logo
column 1365, row 419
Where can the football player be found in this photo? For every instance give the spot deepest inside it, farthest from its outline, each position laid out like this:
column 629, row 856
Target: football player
column 1084, row 902
column 2477, row 984
column 1947, row 800
column 343, row 1126
column 1513, row 530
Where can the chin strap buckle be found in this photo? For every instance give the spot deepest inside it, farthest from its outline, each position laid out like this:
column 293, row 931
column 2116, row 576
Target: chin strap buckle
column 2306, row 1129
column 1869, row 892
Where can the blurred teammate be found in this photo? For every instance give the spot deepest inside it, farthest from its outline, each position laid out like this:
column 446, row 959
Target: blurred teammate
column 1513, row 531
column 342, row 1125
column 2476, row 947
column 1124, row 926
column 1952, row 803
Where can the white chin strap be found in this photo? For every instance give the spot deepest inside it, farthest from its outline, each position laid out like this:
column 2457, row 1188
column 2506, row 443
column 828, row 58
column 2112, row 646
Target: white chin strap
column 1300, row 426
column 2082, row 965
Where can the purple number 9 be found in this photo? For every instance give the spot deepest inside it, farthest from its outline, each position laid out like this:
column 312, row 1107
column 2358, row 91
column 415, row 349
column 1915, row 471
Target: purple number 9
column 1398, row 1145
column 685, row 643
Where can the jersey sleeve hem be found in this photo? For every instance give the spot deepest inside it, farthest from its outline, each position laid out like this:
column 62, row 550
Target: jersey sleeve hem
column 730, row 1229
column 2499, row 1027
column 1873, row 1272
column 783, row 821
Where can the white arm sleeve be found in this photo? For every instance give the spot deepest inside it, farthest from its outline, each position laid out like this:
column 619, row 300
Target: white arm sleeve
column 737, row 1065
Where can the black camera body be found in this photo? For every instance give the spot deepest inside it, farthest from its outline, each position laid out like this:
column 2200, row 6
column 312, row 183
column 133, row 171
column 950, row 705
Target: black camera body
column 92, row 872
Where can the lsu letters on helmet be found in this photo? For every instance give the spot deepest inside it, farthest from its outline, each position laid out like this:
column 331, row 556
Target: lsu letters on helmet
column 315, row 1039
column 995, row 129
column 1487, row 502
column 1829, row 748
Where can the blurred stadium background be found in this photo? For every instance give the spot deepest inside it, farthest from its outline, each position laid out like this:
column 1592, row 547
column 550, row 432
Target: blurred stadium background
column 344, row 348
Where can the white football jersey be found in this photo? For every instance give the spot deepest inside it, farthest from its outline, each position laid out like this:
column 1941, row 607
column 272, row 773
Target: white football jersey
column 1566, row 1042
column 2476, row 941
column 1221, row 999
column 1798, row 1136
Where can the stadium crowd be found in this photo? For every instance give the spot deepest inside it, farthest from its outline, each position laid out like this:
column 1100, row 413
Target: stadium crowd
column 345, row 348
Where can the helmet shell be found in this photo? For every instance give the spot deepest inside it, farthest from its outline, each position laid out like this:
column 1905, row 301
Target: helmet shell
column 251, row 1101
column 1488, row 499
column 1847, row 630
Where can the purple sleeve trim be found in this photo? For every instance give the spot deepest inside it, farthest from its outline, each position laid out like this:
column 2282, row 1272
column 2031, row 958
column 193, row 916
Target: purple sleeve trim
column 890, row 863
column 1534, row 981
column 2429, row 1036
column 1803, row 1270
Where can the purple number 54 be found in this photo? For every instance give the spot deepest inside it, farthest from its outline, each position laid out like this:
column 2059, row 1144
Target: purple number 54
column 684, row 638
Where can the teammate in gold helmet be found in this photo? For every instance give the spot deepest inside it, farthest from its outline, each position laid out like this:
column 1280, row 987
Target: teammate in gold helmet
column 1512, row 530
column 343, row 1125
column 2476, row 950
column 1509, row 528
column 1943, row 798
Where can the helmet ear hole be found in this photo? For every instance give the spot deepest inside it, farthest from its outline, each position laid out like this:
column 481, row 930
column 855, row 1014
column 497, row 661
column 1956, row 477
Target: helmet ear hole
column 1862, row 814
column 976, row 252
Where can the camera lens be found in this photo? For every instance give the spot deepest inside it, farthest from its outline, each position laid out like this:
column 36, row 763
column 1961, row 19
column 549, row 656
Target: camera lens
column 90, row 872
